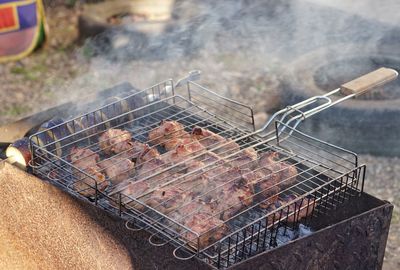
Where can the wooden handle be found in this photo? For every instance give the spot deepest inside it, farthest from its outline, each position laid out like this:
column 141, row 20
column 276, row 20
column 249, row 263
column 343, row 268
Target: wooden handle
column 369, row 81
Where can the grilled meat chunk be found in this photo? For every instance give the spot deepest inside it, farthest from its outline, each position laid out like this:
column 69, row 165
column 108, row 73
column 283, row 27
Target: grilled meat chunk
column 231, row 199
column 207, row 138
column 147, row 154
column 264, row 184
column 187, row 210
column 117, row 169
column 154, row 169
column 245, row 159
column 166, row 131
column 115, row 141
column 209, row 228
column 179, row 154
column 211, row 140
column 119, row 142
column 197, row 184
column 186, row 140
column 287, row 172
column 86, row 161
column 131, row 190
column 168, row 198
column 83, row 157
column 293, row 211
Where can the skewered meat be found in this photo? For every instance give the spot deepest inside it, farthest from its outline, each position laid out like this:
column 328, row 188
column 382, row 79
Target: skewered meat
column 166, row 131
column 86, row 160
column 286, row 171
column 244, row 159
column 115, row 141
column 168, row 198
column 208, row 227
column 210, row 140
column 117, row 169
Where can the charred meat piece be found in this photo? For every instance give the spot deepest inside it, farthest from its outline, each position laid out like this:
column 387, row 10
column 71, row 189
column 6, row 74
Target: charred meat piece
column 166, row 131
column 292, row 211
column 197, row 184
column 245, row 159
column 187, row 210
column 209, row 228
column 168, row 198
column 115, row 141
column 229, row 176
column 211, row 140
column 117, row 169
column 131, row 190
column 179, row 154
column 231, row 199
column 86, row 161
column 148, row 154
column 155, row 169
column 186, row 140
column 83, row 157
column 264, row 184
column 287, row 172
column 207, row 138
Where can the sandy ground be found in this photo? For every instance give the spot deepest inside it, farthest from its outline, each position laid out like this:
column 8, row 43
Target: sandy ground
column 60, row 71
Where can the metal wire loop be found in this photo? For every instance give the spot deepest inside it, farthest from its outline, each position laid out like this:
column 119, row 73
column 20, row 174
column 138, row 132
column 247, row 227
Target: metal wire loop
column 156, row 244
column 130, row 228
column 52, row 178
column 182, row 258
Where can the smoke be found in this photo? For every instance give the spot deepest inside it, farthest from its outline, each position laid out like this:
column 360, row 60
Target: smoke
column 230, row 41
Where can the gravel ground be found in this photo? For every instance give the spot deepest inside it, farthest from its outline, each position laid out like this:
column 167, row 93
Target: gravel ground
column 60, row 71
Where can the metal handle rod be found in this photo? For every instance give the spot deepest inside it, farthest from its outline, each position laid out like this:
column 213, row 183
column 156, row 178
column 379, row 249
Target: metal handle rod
column 350, row 90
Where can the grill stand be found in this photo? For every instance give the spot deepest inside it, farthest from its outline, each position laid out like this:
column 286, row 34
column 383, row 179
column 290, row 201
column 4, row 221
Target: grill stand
column 356, row 240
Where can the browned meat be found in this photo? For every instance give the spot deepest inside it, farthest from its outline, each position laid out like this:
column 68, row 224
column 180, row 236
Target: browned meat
column 230, row 176
column 245, row 159
column 148, row 154
column 83, row 157
column 188, row 209
column 115, row 141
column 134, row 149
column 264, row 184
column 154, row 168
column 210, row 140
column 186, row 139
column 131, row 190
column 209, row 228
column 179, row 154
column 168, row 198
column 117, row 169
column 86, row 160
column 166, row 131
column 293, row 211
column 197, row 184
column 231, row 199
column 207, row 138
column 287, row 172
